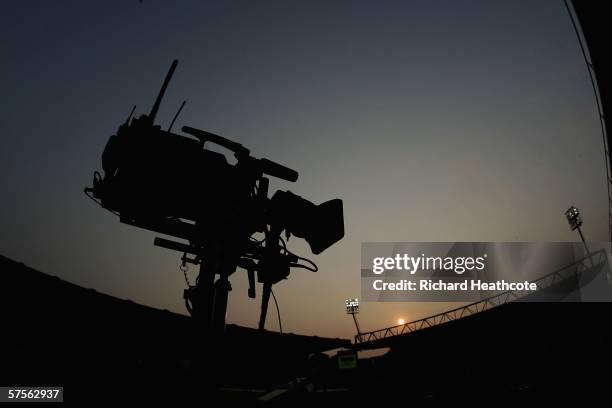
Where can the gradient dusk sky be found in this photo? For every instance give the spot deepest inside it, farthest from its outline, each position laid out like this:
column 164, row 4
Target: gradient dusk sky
column 432, row 120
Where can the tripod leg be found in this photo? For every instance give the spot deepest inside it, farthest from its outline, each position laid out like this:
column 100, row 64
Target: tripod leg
column 265, row 298
column 222, row 287
column 203, row 296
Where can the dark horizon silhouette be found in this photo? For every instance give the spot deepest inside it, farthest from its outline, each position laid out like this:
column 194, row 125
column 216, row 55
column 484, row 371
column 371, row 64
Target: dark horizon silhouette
column 95, row 343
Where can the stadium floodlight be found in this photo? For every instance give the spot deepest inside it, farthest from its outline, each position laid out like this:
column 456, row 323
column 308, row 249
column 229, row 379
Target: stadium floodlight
column 352, row 308
column 574, row 218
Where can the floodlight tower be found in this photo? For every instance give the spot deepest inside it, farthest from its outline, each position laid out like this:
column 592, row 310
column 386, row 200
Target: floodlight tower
column 352, row 308
column 574, row 219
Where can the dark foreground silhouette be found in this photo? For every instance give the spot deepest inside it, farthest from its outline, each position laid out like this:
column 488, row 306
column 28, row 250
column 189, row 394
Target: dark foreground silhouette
column 100, row 348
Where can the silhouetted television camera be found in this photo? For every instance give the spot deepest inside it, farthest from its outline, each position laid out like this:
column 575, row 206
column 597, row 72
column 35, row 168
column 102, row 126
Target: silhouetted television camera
column 172, row 184
column 160, row 181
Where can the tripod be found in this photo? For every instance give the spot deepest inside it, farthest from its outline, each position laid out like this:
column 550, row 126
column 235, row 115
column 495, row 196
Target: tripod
column 207, row 300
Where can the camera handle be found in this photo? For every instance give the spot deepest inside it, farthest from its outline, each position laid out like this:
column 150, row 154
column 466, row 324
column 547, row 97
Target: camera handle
column 205, row 136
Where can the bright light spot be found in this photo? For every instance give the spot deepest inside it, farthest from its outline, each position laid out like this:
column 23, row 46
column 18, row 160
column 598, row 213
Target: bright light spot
column 400, row 321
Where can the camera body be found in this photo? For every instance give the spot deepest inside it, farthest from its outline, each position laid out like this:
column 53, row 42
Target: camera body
column 172, row 184
column 168, row 183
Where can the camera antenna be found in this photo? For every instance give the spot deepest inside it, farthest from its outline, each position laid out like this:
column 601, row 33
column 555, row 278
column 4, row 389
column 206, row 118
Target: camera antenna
column 162, row 91
column 176, row 116
column 127, row 121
